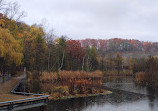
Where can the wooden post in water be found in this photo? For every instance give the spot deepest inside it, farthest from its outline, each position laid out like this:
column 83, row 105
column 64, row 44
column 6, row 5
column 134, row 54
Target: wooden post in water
column 43, row 108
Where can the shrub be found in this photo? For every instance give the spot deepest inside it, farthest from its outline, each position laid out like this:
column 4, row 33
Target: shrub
column 84, row 86
column 141, row 77
column 60, row 89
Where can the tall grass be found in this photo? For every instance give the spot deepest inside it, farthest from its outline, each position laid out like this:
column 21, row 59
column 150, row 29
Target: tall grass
column 67, row 75
column 77, row 82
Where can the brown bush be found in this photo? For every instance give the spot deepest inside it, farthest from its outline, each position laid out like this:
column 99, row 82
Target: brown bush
column 141, row 77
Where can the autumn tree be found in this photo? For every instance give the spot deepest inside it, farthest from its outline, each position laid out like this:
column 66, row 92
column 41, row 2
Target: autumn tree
column 139, row 65
column 41, row 49
column 151, row 68
column 34, row 48
column 130, row 65
column 87, row 59
column 52, row 57
column 101, row 63
column 61, row 46
column 118, row 62
column 110, row 62
column 93, row 60
column 75, row 54
column 10, row 50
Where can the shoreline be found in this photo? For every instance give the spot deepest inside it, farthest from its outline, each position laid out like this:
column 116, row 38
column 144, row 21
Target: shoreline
column 79, row 96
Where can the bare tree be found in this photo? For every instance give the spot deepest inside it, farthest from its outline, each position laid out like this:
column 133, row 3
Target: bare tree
column 49, row 32
column 12, row 10
column 1, row 4
column 83, row 63
column 50, row 36
column 21, row 15
column 62, row 62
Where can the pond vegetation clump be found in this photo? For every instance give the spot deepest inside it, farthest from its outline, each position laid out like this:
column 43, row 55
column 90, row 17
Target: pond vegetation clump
column 69, row 84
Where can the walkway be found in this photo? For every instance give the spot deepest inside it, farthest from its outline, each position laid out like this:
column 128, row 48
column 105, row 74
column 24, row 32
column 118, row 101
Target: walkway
column 6, row 87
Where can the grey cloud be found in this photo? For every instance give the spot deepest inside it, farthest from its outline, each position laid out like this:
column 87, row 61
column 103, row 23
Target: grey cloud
column 79, row 19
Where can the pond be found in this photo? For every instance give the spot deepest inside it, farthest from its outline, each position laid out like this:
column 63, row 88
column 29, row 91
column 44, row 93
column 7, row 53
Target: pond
column 126, row 96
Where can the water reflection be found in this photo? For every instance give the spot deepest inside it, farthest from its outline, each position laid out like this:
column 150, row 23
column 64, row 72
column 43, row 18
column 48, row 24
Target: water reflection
column 153, row 97
column 126, row 96
column 125, row 84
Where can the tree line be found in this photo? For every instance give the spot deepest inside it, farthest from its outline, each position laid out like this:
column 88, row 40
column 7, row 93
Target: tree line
column 30, row 46
column 122, row 45
column 33, row 47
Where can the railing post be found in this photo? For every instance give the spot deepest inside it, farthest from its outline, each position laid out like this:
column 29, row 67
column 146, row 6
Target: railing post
column 10, row 107
column 46, row 100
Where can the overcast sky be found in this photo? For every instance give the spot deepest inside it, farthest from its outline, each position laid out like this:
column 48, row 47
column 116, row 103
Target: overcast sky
column 100, row 19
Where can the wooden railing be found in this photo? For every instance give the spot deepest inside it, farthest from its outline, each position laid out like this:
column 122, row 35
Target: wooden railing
column 21, row 104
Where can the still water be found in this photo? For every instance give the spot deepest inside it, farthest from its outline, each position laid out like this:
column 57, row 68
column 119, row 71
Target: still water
column 126, row 96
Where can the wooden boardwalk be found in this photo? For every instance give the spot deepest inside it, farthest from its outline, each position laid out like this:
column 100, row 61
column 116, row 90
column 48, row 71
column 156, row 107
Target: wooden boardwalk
column 6, row 87
column 19, row 100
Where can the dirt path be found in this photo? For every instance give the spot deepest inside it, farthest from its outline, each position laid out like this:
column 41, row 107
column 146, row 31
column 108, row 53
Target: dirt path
column 6, row 87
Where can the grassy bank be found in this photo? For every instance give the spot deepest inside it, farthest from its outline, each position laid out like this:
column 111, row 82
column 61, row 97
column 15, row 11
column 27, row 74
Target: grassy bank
column 78, row 95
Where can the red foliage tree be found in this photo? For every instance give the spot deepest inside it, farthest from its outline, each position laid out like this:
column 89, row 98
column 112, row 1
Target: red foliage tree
column 75, row 53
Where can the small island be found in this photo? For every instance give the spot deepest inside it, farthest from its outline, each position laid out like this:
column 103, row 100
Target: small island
column 67, row 84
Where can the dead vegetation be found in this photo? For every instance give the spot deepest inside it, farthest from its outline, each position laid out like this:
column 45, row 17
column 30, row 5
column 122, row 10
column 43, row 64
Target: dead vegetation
column 66, row 83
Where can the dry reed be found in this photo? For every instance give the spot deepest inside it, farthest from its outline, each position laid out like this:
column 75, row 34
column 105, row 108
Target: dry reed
column 67, row 75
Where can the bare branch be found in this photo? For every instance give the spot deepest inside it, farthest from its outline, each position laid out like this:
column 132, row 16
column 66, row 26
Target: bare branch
column 21, row 15
column 83, row 63
column 2, row 5
column 12, row 10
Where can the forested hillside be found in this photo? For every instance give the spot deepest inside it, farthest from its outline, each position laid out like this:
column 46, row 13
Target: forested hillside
column 64, row 67
column 134, row 48
column 33, row 47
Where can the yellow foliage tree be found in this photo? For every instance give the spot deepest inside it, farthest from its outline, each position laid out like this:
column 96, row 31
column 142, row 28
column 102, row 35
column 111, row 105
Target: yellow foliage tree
column 10, row 50
column 34, row 47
